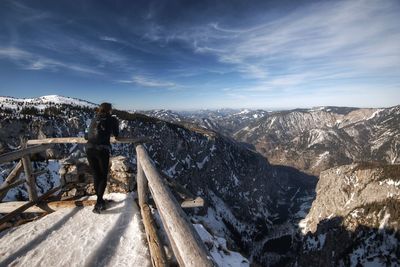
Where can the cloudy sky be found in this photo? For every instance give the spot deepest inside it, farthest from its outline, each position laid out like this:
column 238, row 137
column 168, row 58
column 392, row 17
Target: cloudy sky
column 203, row 54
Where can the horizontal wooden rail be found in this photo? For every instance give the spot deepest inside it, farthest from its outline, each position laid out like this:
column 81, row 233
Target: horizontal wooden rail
column 193, row 203
column 81, row 140
column 7, row 207
column 14, row 175
column 28, row 205
column 10, row 156
column 188, row 247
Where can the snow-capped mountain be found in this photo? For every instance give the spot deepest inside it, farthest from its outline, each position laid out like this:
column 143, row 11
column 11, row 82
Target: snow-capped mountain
column 42, row 102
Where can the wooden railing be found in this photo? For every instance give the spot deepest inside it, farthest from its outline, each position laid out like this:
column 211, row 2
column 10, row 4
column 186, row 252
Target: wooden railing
column 13, row 180
column 25, row 165
column 188, row 248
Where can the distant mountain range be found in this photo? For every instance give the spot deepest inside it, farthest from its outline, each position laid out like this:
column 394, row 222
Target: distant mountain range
column 311, row 140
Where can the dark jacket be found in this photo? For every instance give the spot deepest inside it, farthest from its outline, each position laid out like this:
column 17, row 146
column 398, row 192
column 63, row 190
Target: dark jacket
column 111, row 127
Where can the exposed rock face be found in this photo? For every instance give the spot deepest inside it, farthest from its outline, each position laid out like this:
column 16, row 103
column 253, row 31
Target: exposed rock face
column 355, row 218
column 77, row 173
column 315, row 140
column 121, row 175
column 342, row 190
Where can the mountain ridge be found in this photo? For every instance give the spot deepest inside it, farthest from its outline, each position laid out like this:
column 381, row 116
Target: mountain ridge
column 42, row 101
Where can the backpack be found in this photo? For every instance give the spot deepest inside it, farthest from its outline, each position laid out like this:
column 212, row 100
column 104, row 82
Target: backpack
column 97, row 129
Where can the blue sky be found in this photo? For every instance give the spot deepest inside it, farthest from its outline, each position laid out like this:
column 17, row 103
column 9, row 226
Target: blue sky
column 203, row 54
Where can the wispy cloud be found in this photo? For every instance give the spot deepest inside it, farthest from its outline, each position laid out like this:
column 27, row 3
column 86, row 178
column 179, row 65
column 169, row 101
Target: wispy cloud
column 146, row 81
column 109, row 39
column 359, row 36
column 31, row 61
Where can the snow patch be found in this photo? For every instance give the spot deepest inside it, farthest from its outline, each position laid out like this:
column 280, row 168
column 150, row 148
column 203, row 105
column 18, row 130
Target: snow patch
column 315, row 243
column 200, row 165
column 218, row 250
column 303, row 226
column 390, row 182
column 321, row 157
column 172, row 171
column 384, row 221
column 375, row 113
column 235, row 179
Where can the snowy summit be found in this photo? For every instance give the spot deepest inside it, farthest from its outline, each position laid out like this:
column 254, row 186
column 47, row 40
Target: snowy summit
column 42, row 102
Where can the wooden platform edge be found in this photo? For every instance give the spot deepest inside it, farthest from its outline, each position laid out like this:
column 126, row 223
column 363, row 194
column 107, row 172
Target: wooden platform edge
column 7, row 207
column 28, row 205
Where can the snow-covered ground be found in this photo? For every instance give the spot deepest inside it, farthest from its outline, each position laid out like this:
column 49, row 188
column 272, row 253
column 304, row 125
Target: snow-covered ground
column 79, row 237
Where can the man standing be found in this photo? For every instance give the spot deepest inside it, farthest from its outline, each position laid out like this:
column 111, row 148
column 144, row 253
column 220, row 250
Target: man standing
column 98, row 149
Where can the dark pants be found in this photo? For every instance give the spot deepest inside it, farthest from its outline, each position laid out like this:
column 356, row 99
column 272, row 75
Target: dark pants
column 98, row 161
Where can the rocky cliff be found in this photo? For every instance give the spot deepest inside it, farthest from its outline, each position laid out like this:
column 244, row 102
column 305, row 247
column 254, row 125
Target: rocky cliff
column 355, row 218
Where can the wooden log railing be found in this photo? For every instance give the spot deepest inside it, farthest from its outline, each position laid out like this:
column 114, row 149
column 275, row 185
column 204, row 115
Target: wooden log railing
column 10, row 206
column 4, row 189
column 30, row 178
column 188, row 247
column 28, row 205
column 29, row 147
column 24, row 165
column 9, row 182
column 14, row 155
column 81, row 140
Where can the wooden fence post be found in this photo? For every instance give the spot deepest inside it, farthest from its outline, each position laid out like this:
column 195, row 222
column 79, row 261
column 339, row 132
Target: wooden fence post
column 158, row 257
column 189, row 248
column 13, row 176
column 142, row 187
column 30, row 178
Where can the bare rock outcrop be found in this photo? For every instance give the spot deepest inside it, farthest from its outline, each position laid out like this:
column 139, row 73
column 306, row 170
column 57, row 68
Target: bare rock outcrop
column 77, row 178
column 342, row 191
column 355, row 219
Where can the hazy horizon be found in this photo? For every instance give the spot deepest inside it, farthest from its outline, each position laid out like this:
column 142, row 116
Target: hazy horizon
column 210, row 109
column 191, row 55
